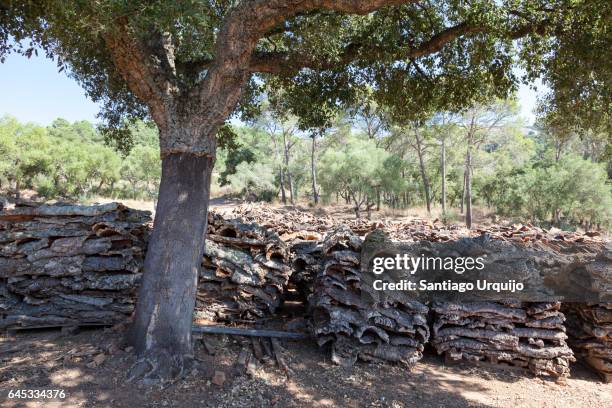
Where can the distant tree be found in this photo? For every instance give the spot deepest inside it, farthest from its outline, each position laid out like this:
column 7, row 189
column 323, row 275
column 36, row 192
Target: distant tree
column 358, row 168
column 234, row 158
column 368, row 115
column 282, row 129
column 254, row 180
column 142, row 168
column 477, row 124
column 79, row 131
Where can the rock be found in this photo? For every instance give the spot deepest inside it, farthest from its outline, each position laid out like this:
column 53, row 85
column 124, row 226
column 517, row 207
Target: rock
column 218, row 378
column 97, row 360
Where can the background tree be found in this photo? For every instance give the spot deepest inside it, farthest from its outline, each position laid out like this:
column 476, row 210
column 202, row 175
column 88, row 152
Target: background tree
column 413, row 136
column 477, row 124
column 282, row 129
column 359, row 169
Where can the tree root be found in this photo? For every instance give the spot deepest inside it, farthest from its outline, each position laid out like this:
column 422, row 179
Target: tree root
column 160, row 368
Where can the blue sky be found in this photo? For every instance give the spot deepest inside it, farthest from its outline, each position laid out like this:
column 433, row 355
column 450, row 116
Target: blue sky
column 33, row 91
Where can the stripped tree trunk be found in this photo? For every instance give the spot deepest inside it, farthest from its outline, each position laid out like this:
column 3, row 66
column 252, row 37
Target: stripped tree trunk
column 161, row 332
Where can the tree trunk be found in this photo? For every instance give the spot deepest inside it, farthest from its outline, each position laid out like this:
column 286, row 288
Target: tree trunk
column 313, row 170
column 290, row 185
column 289, row 178
column 357, row 205
column 468, row 188
column 282, row 185
column 443, row 170
column 463, row 191
column 161, row 332
column 423, row 172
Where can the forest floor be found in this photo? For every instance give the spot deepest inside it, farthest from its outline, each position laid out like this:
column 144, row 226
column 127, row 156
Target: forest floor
column 90, row 367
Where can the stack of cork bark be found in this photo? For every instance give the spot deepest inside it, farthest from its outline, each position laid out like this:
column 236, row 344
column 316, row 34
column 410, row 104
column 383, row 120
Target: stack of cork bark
column 590, row 328
column 345, row 314
column 244, row 273
column 531, row 336
column 69, row 265
column 306, row 260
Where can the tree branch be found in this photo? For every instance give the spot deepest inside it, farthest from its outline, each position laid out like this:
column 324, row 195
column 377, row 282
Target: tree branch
column 150, row 82
column 219, row 92
column 279, row 62
column 287, row 62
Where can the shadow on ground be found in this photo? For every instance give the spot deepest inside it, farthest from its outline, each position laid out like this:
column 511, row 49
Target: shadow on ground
column 47, row 360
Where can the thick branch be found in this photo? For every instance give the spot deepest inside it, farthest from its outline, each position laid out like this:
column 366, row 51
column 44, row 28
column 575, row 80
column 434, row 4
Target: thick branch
column 287, row 62
column 277, row 62
column 219, row 92
column 151, row 83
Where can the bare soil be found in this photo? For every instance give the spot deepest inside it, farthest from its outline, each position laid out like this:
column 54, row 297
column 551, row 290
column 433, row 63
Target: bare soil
column 90, row 367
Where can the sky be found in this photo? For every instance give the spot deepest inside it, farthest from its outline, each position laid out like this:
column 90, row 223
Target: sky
column 33, row 91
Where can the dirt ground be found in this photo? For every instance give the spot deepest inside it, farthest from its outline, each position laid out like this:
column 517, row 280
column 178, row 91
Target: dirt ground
column 90, row 368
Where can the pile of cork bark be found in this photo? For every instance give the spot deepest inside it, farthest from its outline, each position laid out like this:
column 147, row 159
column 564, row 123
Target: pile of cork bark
column 66, row 265
column 244, row 273
column 292, row 223
column 345, row 314
column 590, row 328
column 531, row 336
column 69, row 265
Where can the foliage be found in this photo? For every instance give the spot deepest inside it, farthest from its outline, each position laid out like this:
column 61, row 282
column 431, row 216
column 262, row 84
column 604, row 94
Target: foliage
column 234, row 158
column 254, row 180
column 574, row 188
column 69, row 161
column 359, row 170
column 417, row 58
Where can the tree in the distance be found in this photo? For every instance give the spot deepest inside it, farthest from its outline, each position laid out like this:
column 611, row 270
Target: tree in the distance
column 478, row 123
column 189, row 65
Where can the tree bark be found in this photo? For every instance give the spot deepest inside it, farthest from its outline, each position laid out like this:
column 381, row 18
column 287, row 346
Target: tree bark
column 468, row 188
column 463, row 191
column 443, row 170
column 289, row 178
column 161, row 332
column 420, row 153
column 313, row 170
column 282, row 185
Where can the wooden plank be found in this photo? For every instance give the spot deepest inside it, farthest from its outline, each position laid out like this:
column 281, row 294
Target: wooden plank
column 239, row 331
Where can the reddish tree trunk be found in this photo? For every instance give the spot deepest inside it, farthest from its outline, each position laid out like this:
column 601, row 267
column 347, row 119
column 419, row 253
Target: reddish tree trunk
column 161, row 332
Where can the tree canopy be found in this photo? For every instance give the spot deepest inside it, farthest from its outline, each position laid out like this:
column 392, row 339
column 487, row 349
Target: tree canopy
column 417, row 56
